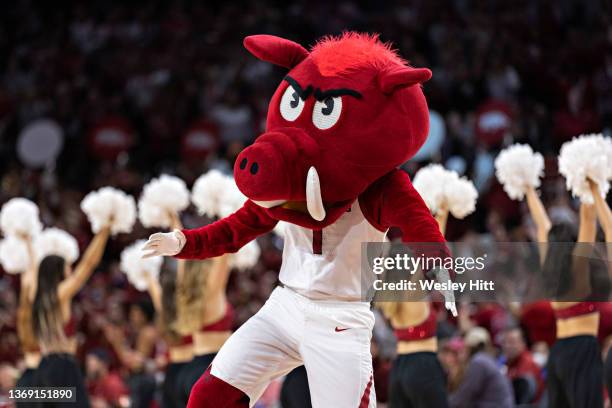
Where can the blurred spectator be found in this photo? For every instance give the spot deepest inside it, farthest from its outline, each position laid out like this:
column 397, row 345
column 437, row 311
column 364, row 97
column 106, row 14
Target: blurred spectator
column 135, row 350
column 8, row 379
column 451, row 355
column 523, row 372
column 106, row 388
column 234, row 119
column 482, row 385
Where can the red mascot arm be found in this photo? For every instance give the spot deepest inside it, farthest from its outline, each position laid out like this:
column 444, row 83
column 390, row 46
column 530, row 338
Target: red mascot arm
column 392, row 201
column 228, row 234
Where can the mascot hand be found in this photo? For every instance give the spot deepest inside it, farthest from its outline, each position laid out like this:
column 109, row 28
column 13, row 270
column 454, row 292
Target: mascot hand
column 443, row 276
column 452, row 307
column 164, row 244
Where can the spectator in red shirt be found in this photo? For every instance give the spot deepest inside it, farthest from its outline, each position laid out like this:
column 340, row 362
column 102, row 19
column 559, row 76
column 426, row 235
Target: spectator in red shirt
column 105, row 387
column 522, row 370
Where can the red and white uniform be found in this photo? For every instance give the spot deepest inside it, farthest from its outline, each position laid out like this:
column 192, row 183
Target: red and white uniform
column 326, row 264
column 317, row 320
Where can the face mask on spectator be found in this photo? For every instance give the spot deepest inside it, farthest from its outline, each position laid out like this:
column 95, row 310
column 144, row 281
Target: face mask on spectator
column 540, row 358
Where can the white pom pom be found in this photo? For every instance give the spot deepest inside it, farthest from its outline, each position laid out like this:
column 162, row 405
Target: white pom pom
column 429, row 182
column 19, row 216
column 109, row 203
column 216, row 195
column 586, row 156
column 231, row 199
column 14, row 255
column 461, row 197
column 139, row 271
column 207, row 192
column 441, row 188
column 151, row 215
column 161, row 197
column 54, row 241
column 246, row 257
column 517, row 168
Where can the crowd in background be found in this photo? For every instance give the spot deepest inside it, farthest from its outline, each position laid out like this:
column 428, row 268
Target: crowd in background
column 162, row 69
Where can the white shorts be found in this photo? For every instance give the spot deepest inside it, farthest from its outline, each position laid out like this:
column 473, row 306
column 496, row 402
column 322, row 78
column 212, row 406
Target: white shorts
column 332, row 339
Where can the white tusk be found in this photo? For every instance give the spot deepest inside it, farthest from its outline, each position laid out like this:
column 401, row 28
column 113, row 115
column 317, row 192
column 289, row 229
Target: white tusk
column 269, row 204
column 314, row 201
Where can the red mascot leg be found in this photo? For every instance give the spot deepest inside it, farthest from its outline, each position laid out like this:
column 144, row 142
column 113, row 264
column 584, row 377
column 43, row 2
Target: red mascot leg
column 212, row 392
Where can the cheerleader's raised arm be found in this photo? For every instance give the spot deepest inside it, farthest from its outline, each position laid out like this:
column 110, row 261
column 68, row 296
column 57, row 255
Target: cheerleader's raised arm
column 88, row 263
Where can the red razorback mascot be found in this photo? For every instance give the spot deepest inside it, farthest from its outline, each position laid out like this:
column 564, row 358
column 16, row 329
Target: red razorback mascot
column 347, row 114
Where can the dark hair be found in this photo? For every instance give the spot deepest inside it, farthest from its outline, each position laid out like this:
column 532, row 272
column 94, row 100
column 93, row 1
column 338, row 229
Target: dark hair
column 557, row 266
column 558, row 269
column 563, row 232
column 190, row 296
column 146, row 307
column 101, row 355
column 515, row 327
column 46, row 311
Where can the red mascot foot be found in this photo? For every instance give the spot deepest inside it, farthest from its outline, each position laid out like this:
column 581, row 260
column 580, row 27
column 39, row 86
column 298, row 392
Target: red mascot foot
column 213, row 392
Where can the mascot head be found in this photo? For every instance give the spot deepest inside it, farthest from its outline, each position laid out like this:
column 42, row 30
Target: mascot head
column 347, row 112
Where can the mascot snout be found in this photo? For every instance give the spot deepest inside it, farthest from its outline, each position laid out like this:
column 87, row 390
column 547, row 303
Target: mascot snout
column 280, row 167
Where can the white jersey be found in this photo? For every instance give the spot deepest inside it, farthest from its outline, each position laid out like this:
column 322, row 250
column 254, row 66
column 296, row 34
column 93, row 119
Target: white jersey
column 326, row 264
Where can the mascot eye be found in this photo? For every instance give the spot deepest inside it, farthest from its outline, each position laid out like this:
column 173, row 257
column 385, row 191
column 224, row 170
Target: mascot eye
column 327, row 112
column 291, row 104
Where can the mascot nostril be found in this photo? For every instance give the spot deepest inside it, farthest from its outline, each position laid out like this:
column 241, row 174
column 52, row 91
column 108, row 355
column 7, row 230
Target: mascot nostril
column 243, row 164
column 347, row 115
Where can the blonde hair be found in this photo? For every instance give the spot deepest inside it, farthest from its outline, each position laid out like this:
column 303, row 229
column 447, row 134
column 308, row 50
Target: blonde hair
column 190, row 292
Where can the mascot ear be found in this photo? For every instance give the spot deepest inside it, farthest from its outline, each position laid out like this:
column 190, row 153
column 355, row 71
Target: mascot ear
column 276, row 50
column 401, row 77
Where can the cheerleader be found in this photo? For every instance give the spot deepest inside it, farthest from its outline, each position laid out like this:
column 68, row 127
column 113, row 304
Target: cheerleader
column 417, row 378
column 203, row 312
column 135, row 345
column 202, row 300
column 55, row 286
column 29, row 345
column 574, row 365
column 19, row 222
column 574, row 369
column 163, row 293
column 161, row 201
column 604, row 216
